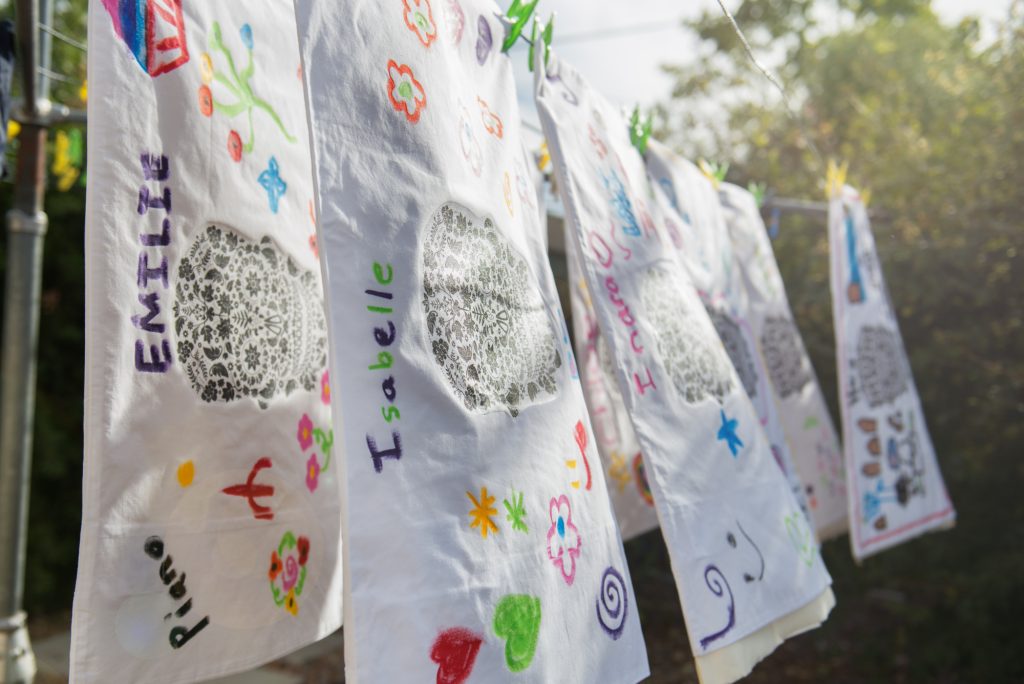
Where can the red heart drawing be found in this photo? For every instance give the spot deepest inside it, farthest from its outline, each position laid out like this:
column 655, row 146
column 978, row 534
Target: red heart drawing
column 455, row 652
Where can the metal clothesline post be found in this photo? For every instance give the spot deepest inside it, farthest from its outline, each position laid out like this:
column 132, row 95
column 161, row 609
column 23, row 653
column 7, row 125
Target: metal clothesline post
column 26, row 225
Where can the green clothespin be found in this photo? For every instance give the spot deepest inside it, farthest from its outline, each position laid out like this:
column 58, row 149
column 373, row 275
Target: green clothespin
column 757, row 190
column 715, row 172
column 545, row 32
column 640, row 131
column 518, row 14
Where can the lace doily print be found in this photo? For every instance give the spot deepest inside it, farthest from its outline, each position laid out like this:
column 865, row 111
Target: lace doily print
column 489, row 329
column 698, row 369
column 248, row 321
column 880, row 365
column 780, row 344
column 737, row 348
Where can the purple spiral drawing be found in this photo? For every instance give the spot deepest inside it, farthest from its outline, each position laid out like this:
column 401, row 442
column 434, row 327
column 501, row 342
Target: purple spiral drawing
column 612, row 603
column 716, row 584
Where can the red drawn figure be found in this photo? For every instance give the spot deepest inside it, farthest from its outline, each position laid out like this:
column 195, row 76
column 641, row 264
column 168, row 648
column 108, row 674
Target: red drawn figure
column 455, row 651
column 154, row 31
column 205, row 100
column 420, row 20
column 405, row 92
column 492, row 122
column 595, row 140
column 235, row 145
column 580, row 433
column 251, row 491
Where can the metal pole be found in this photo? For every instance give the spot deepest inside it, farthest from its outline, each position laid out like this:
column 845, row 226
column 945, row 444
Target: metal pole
column 26, row 226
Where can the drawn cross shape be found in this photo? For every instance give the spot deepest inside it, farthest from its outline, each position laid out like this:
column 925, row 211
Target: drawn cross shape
column 250, row 490
column 270, row 179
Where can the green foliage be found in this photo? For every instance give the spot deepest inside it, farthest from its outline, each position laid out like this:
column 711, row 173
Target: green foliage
column 933, row 122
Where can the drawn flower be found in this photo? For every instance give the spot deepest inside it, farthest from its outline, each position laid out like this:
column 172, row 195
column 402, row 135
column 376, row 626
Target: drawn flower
column 563, row 538
column 275, row 566
column 206, row 67
column 456, row 20
column 288, row 571
column 235, row 145
column 205, row 100
column 325, row 388
column 312, row 472
column 305, row 432
column 420, row 20
column 470, row 147
column 483, row 509
column 405, row 92
column 491, row 121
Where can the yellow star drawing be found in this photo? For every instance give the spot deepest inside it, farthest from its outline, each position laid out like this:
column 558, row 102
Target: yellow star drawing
column 482, row 512
column 619, row 470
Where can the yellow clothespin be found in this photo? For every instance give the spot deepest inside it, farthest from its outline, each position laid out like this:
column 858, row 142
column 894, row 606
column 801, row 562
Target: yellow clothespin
column 543, row 157
column 835, row 178
column 83, row 92
column 13, row 128
column 714, row 172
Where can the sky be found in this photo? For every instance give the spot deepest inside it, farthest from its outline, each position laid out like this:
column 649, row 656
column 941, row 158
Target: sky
column 625, row 67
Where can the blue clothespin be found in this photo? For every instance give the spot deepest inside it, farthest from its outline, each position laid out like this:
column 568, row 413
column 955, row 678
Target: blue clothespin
column 517, row 16
column 640, row 130
column 773, row 227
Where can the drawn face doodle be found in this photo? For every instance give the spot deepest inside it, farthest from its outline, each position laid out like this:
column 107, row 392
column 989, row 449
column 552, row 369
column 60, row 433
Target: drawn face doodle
column 248, row 321
column 489, row 329
column 780, row 344
column 754, row 574
column 697, row 369
column 881, row 365
column 736, row 347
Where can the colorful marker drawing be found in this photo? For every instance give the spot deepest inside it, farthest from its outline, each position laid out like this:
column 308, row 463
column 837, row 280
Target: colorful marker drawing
column 619, row 470
column 154, row 31
column 287, row 573
column 612, row 603
column 517, row 621
column 270, row 179
column 516, row 512
column 482, row 511
column 252, row 491
column 580, row 433
column 455, row 651
column 727, row 433
column 563, row 538
column 718, row 586
column 239, row 84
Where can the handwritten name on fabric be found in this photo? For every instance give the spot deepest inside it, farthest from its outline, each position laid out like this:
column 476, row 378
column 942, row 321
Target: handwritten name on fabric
column 793, row 384
column 477, row 548
column 705, row 456
column 205, row 347
column 616, row 441
column 894, row 488
column 683, row 190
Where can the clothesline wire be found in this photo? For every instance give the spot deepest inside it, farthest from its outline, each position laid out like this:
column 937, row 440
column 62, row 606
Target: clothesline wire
column 775, row 82
column 59, row 35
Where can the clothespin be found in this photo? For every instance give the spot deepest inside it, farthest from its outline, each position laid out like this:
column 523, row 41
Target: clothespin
column 13, row 128
column 67, row 158
column 546, row 32
column 543, row 157
column 83, row 92
column 516, row 17
column 757, row 190
column 714, row 172
column 835, row 178
column 640, row 130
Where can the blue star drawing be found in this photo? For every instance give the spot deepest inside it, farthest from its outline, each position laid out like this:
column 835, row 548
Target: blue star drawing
column 727, row 433
column 272, row 183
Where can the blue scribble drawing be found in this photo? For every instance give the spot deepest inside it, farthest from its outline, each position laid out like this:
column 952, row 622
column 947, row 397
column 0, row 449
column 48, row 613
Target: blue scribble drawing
column 620, row 202
column 670, row 192
column 727, row 433
column 855, row 290
column 271, row 181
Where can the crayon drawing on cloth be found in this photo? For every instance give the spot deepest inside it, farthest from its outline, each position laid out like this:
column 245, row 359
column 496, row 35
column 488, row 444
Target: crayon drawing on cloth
column 746, row 566
column 481, row 538
column 894, row 486
column 792, row 382
column 211, row 523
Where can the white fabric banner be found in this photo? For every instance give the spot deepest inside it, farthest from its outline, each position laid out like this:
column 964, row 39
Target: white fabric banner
column 616, row 440
column 894, row 486
column 792, row 382
column 211, row 523
column 725, row 509
column 695, row 222
column 481, row 541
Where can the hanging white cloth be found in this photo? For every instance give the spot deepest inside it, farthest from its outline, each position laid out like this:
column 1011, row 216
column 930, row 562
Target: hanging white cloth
column 746, row 581
column 211, row 526
column 479, row 536
column 792, row 382
column 894, row 486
